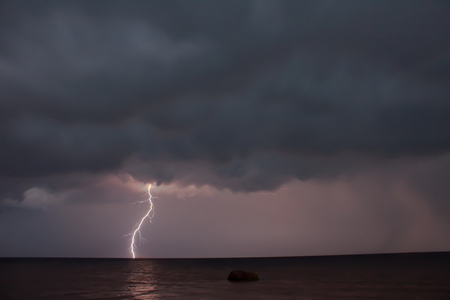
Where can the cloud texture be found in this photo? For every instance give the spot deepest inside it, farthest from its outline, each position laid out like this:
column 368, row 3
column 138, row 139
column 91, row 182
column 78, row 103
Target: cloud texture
column 244, row 88
column 239, row 95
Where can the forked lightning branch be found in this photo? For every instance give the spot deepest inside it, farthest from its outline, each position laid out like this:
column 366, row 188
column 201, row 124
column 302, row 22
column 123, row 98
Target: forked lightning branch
column 137, row 227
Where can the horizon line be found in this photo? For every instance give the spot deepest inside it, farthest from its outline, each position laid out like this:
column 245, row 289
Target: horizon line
column 229, row 257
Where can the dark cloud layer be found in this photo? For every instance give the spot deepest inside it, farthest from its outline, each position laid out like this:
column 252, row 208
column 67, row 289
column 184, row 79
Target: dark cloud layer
column 237, row 94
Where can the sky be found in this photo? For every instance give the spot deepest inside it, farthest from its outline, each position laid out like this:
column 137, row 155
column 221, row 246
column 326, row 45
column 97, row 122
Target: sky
column 267, row 128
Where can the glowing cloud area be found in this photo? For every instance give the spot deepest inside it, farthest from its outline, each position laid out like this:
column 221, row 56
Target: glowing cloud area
column 137, row 227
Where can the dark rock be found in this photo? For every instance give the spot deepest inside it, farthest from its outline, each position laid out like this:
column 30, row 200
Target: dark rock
column 240, row 275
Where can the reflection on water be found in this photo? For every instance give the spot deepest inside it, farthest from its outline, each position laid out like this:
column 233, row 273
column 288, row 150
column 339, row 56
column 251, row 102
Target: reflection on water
column 403, row 276
column 141, row 282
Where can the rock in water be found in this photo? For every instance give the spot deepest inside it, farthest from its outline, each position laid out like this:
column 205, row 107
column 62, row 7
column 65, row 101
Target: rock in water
column 240, row 275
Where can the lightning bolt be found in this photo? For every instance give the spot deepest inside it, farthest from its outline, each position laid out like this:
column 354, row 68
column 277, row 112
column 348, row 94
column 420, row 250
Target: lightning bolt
column 137, row 227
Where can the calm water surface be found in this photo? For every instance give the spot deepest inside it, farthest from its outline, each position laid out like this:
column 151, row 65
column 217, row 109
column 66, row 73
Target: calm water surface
column 399, row 276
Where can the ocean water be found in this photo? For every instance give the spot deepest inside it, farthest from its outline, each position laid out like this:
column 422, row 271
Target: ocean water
column 391, row 276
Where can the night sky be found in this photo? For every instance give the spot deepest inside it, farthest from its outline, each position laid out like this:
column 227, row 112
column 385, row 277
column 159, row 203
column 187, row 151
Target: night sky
column 268, row 128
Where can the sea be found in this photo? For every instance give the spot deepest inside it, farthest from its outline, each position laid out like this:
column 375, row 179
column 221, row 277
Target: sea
column 382, row 276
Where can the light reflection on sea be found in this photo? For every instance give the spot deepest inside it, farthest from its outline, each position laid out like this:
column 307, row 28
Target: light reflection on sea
column 402, row 276
column 141, row 283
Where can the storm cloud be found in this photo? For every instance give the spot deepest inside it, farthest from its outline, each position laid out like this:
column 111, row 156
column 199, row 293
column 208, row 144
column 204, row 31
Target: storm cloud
column 242, row 96
column 242, row 88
